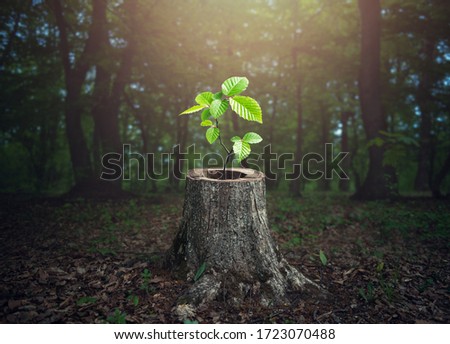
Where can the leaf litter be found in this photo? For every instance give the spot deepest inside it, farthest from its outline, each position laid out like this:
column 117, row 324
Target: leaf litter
column 85, row 261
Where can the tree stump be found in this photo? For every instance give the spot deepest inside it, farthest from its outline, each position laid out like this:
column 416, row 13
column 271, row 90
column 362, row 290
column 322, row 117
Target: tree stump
column 224, row 243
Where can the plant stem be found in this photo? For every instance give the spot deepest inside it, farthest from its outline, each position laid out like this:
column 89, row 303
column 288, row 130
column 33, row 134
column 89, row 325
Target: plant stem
column 229, row 152
column 226, row 163
column 220, row 139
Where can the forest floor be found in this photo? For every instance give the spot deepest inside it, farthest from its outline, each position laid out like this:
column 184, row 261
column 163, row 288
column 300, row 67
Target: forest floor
column 98, row 261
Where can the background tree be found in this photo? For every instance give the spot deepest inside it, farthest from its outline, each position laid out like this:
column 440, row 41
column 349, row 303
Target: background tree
column 75, row 73
column 375, row 184
column 81, row 77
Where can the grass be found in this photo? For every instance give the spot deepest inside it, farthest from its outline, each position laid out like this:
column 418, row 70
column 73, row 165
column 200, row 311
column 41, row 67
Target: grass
column 395, row 226
column 376, row 258
column 105, row 223
column 305, row 218
column 118, row 317
column 297, row 222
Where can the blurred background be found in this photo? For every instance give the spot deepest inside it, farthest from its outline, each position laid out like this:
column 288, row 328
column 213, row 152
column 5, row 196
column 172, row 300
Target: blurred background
column 80, row 78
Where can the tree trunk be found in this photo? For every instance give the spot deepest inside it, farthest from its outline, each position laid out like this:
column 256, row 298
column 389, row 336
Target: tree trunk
column 324, row 183
column 437, row 182
column 75, row 74
column 145, row 122
column 376, row 185
column 79, row 153
column 107, row 95
column 344, row 184
column 225, row 229
column 425, row 102
column 178, row 160
column 272, row 183
column 109, row 87
column 296, row 185
column 355, row 169
column 11, row 37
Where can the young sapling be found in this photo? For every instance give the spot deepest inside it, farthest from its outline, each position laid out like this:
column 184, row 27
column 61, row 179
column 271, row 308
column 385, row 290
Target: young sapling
column 214, row 106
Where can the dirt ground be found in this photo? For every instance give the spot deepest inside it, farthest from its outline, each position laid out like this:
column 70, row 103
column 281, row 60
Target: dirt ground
column 84, row 261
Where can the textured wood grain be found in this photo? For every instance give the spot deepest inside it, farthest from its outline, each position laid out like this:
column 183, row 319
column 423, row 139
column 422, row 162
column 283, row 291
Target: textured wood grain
column 225, row 225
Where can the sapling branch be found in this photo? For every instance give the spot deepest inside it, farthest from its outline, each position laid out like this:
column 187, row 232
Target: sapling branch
column 215, row 105
column 220, row 139
column 229, row 155
column 229, row 152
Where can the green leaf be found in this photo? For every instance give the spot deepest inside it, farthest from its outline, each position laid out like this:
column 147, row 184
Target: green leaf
column 86, row 299
column 200, row 270
column 218, row 107
column 408, row 141
column 192, row 109
column 212, row 134
column 146, row 274
column 323, row 258
column 134, row 299
column 380, row 266
column 252, row 138
column 204, row 98
column 218, row 95
column 187, row 321
column 206, row 123
column 235, row 139
column 205, row 114
column 247, row 108
column 377, row 141
column 234, row 85
column 241, row 150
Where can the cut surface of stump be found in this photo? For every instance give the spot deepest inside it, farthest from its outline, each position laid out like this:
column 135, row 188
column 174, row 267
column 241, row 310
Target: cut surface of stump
column 224, row 245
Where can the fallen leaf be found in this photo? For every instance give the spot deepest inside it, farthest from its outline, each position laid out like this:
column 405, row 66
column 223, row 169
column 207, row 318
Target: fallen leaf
column 14, row 304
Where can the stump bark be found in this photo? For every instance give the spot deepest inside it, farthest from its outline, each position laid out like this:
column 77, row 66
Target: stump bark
column 225, row 232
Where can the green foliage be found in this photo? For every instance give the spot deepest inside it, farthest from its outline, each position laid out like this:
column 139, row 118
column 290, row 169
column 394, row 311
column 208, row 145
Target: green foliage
column 146, row 276
column 200, row 272
column 110, row 223
column 368, row 293
column 241, row 150
column 252, row 138
column 86, row 300
column 380, row 267
column 247, row 108
column 117, row 318
column 295, row 241
column 242, row 147
column 190, row 322
column 212, row 134
column 176, row 52
column 206, row 114
column 134, row 299
column 193, row 109
column 204, row 98
column 405, row 218
column 206, row 123
column 399, row 138
column 429, row 282
column 388, row 288
column 234, row 86
column 323, row 258
column 216, row 106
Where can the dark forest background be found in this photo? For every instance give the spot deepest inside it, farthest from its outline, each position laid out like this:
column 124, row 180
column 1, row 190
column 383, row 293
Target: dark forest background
column 80, row 78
